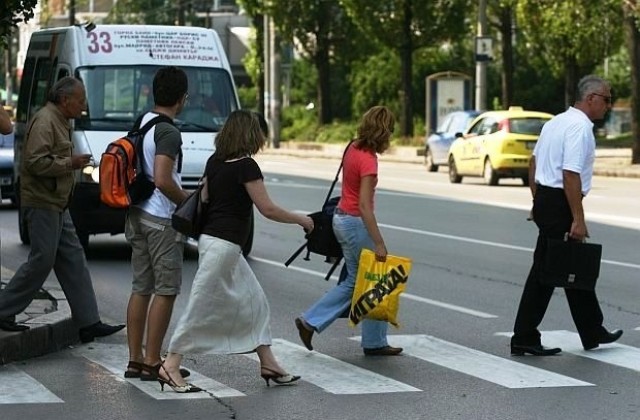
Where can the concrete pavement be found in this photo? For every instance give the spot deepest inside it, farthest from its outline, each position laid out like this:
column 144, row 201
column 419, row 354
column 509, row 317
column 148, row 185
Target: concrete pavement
column 50, row 317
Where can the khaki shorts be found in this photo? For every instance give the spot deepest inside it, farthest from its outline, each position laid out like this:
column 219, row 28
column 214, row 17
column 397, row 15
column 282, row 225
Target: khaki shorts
column 156, row 254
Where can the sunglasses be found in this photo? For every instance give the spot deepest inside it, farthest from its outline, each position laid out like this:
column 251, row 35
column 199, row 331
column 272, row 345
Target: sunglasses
column 606, row 98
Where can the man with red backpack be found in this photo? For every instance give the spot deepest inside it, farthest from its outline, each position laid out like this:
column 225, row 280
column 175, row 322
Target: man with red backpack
column 156, row 254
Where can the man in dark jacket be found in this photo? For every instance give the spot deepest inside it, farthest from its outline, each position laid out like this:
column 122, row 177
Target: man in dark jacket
column 47, row 180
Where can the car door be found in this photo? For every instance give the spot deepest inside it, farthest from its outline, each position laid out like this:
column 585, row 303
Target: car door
column 478, row 144
column 468, row 153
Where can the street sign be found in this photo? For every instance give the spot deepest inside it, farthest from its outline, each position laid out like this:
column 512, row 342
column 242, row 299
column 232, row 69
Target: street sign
column 484, row 48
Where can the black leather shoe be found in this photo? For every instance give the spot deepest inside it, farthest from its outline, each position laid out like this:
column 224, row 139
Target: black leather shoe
column 536, row 350
column 99, row 329
column 605, row 337
column 10, row 325
column 383, row 351
column 305, row 333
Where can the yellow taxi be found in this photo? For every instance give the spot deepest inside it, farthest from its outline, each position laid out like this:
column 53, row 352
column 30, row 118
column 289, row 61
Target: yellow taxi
column 497, row 144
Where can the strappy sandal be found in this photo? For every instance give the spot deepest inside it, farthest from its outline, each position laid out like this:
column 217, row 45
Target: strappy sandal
column 151, row 373
column 134, row 369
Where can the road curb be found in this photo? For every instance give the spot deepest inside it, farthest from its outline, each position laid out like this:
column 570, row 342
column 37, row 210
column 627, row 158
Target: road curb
column 50, row 331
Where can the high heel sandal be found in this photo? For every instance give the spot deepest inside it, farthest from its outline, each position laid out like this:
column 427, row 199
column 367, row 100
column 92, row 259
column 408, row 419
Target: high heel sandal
column 134, row 369
column 277, row 377
column 150, row 373
column 182, row 389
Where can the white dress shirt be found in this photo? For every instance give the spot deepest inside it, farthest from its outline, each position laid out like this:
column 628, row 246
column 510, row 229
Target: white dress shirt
column 566, row 142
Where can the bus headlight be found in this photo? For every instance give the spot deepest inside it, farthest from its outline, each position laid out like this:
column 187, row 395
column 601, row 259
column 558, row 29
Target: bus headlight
column 91, row 172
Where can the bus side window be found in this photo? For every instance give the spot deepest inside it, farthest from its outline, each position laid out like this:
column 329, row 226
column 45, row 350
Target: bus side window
column 41, row 85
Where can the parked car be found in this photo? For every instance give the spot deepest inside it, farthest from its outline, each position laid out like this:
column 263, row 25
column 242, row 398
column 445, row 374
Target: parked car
column 7, row 189
column 436, row 148
column 497, row 144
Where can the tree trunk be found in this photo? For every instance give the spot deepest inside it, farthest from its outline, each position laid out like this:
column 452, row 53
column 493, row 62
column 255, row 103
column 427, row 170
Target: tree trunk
column 506, row 32
column 571, row 71
column 406, row 60
column 258, row 24
column 324, row 85
column 633, row 44
column 325, row 114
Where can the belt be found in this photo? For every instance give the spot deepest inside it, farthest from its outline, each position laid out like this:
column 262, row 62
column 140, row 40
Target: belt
column 339, row 211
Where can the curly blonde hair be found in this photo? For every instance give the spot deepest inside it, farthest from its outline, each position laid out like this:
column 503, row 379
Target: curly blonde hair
column 241, row 136
column 375, row 129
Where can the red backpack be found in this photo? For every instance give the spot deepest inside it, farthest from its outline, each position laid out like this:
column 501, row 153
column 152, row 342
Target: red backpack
column 122, row 177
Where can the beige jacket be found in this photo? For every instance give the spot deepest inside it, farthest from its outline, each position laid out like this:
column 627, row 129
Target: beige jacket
column 46, row 175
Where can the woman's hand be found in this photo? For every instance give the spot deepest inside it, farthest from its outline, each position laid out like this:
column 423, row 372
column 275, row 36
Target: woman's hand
column 307, row 223
column 381, row 252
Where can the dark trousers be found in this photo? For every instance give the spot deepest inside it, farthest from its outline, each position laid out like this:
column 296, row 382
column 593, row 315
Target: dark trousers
column 54, row 246
column 552, row 215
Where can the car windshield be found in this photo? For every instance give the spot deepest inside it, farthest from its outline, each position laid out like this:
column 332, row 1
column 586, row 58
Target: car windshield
column 117, row 95
column 531, row 126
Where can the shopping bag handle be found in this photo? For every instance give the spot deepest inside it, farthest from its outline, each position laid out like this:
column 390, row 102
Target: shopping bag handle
column 566, row 238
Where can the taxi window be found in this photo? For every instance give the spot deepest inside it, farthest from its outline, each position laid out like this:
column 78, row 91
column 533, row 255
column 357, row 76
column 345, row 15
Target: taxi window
column 489, row 126
column 531, row 126
column 477, row 127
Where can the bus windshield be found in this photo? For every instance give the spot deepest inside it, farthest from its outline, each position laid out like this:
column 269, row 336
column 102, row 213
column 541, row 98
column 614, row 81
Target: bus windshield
column 117, row 95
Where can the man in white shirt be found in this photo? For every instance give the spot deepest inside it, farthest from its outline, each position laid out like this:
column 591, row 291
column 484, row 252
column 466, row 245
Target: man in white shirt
column 560, row 171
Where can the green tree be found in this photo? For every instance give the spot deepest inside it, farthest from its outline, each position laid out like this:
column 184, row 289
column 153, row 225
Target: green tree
column 325, row 34
column 572, row 36
column 149, row 12
column 406, row 26
column 13, row 12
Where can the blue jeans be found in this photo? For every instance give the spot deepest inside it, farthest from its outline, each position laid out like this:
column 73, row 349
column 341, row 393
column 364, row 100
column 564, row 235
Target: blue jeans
column 353, row 236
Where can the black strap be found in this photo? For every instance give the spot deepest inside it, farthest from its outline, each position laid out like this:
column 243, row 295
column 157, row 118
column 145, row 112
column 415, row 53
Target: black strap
column 295, row 254
column 333, row 268
column 142, row 131
column 335, row 180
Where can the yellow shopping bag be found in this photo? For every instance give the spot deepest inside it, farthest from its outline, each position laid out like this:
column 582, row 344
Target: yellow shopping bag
column 376, row 294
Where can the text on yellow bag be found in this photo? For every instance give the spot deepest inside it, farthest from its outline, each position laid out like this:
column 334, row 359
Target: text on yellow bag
column 376, row 294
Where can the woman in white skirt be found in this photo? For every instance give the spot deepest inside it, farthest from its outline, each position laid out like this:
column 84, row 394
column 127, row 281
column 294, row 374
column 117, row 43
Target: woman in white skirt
column 228, row 312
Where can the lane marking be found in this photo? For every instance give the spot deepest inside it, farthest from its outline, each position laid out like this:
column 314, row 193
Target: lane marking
column 488, row 243
column 485, row 366
column 332, row 375
column 409, row 296
column 614, row 354
column 17, row 387
column 113, row 357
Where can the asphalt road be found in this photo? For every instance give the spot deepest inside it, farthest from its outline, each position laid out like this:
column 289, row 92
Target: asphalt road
column 471, row 247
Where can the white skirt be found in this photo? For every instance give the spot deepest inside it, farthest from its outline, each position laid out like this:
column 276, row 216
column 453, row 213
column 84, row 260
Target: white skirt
column 227, row 310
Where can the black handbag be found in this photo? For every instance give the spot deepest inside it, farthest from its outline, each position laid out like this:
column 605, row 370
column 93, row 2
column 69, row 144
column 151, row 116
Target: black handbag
column 571, row 264
column 321, row 240
column 188, row 216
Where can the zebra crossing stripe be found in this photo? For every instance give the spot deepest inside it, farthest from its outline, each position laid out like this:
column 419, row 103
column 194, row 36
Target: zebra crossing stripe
column 17, row 387
column 481, row 365
column 113, row 357
column 614, row 354
column 330, row 374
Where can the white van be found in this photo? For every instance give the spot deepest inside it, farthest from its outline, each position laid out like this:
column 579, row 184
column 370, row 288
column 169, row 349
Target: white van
column 117, row 64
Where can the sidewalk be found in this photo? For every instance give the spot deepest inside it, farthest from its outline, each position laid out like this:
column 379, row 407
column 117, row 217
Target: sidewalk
column 50, row 317
column 609, row 162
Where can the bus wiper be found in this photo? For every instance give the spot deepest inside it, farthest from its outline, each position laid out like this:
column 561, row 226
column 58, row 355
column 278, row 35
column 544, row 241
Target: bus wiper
column 118, row 120
column 182, row 123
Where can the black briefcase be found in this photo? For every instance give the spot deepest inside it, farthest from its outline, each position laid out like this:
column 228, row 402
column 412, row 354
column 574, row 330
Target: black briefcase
column 571, row 265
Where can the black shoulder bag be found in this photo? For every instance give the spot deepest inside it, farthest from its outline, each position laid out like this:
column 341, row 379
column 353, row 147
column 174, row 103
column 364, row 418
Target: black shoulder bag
column 321, row 240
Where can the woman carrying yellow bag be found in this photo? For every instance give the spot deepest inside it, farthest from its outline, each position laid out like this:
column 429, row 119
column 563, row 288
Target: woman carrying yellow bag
column 378, row 286
column 355, row 226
